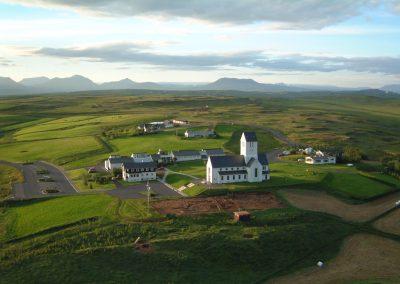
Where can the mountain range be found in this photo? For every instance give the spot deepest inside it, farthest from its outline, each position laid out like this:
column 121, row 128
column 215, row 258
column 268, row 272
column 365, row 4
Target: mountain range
column 76, row 83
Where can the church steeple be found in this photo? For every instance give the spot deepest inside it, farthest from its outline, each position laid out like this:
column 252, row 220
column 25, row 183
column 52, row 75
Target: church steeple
column 249, row 146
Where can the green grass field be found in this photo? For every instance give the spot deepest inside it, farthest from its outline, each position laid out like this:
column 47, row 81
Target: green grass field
column 81, row 130
column 8, row 176
column 193, row 168
column 355, row 186
column 30, row 217
column 177, row 180
column 185, row 249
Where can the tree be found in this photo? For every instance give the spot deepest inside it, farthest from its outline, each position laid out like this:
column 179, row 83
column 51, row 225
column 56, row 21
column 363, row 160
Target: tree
column 352, row 154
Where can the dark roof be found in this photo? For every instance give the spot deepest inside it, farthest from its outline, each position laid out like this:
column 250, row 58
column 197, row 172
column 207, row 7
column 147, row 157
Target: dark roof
column 250, row 136
column 133, row 165
column 227, row 161
column 118, row 160
column 225, row 173
column 263, row 159
column 214, row 151
column 186, row 153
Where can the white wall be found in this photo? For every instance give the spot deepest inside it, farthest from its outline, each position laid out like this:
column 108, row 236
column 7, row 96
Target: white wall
column 132, row 177
column 248, row 149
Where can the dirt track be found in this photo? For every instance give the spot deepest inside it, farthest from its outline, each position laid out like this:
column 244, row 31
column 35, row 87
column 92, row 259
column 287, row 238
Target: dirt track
column 322, row 202
column 193, row 206
column 389, row 223
column 362, row 257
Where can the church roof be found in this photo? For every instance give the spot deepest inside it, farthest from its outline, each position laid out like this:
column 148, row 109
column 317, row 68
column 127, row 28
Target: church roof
column 227, row 161
column 263, row 159
column 250, row 136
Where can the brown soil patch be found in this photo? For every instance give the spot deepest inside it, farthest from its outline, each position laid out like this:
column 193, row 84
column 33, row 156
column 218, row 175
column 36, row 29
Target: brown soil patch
column 362, row 257
column 390, row 223
column 202, row 205
column 322, row 202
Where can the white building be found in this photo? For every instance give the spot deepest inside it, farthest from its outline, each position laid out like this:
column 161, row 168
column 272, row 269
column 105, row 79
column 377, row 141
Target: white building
column 115, row 162
column 132, row 171
column 185, row 155
column 320, row 158
column 249, row 166
column 199, row 133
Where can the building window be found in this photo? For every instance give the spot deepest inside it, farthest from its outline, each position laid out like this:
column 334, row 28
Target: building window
column 233, row 177
column 227, row 177
column 244, row 176
column 222, row 177
column 255, row 172
column 239, row 176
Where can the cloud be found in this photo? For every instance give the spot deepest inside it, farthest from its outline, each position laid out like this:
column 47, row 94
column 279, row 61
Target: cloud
column 6, row 62
column 286, row 14
column 131, row 53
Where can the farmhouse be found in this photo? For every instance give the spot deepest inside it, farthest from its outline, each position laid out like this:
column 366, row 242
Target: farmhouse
column 115, row 162
column 132, row 171
column 248, row 166
column 205, row 153
column 320, row 158
column 185, row 155
column 199, row 133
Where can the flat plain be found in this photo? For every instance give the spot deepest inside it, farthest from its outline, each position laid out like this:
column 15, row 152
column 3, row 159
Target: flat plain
column 51, row 239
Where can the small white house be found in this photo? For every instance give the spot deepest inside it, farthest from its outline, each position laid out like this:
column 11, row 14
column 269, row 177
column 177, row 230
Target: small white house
column 320, row 160
column 199, row 133
column 249, row 166
column 115, row 162
column 133, row 172
column 185, row 155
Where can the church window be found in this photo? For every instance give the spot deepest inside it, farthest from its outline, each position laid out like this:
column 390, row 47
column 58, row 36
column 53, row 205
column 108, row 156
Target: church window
column 255, row 172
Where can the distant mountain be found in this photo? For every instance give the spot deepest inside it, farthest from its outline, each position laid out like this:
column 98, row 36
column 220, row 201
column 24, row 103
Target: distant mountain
column 249, row 85
column 76, row 83
column 9, row 86
column 70, row 84
column 118, row 85
column 129, row 84
column 30, row 82
column 392, row 88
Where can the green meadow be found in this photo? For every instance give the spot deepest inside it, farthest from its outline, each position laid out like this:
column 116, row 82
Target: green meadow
column 90, row 237
column 52, row 240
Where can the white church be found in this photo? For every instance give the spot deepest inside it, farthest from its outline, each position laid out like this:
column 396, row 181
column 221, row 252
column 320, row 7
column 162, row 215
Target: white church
column 249, row 166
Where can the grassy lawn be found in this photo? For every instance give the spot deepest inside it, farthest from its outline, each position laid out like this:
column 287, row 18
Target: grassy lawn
column 355, row 186
column 8, row 176
column 177, row 180
column 77, row 177
column 193, row 168
column 58, row 151
column 266, row 142
column 164, row 140
column 195, row 190
column 136, row 209
column 212, row 248
column 37, row 215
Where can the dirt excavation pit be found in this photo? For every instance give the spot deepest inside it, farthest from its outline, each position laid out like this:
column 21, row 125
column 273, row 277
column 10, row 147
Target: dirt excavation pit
column 231, row 203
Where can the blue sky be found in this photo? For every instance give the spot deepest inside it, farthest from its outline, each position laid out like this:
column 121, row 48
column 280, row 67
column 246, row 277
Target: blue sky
column 338, row 42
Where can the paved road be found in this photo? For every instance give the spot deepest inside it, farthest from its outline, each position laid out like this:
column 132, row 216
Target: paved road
column 133, row 191
column 32, row 188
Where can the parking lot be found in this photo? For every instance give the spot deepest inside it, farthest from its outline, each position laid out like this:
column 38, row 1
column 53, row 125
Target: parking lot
column 39, row 178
